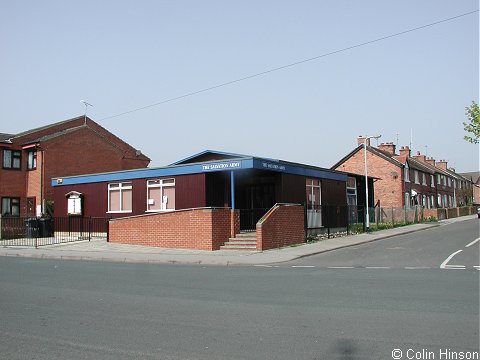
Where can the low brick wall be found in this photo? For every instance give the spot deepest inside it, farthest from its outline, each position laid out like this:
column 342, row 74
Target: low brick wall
column 201, row 229
column 282, row 225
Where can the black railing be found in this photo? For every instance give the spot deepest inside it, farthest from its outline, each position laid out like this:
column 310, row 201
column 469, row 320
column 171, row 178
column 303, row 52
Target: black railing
column 20, row 231
column 250, row 217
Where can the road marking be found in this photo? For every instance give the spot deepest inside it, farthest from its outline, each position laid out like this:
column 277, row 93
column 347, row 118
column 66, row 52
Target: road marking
column 263, row 266
column 473, row 242
column 377, row 267
column 444, row 264
column 417, row 267
column 303, row 266
column 341, row 267
column 455, row 267
column 476, row 267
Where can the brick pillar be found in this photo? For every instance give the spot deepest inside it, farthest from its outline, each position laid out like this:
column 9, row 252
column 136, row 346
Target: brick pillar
column 234, row 222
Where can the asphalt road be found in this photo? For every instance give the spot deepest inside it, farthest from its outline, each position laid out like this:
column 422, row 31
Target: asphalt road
column 425, row 249
column 89, row 310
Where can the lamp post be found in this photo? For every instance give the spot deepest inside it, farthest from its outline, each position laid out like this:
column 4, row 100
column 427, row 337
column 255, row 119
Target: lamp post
column 367, row 220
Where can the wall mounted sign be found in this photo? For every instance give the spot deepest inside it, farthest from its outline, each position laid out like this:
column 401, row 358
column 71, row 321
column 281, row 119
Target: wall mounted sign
column 74, row 203
column 272, row 166
column 222, row 166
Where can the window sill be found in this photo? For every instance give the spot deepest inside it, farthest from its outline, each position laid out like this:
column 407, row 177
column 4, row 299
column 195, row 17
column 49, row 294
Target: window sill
column 119, row 212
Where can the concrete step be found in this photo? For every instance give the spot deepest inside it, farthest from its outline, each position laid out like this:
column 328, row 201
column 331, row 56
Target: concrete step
column 243, row 238
column 246, row 234
column 229, row 246
column 240, row 242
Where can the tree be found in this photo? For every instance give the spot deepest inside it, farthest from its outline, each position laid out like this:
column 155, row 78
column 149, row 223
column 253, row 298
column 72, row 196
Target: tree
column 473, row 124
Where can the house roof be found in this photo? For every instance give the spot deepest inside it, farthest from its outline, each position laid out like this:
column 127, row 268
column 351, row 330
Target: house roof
column 226, row 164
column 384, row 155
column 45, row 127
column 54, row 135
column 473, row 176
column 219, row 154
column 5, row 137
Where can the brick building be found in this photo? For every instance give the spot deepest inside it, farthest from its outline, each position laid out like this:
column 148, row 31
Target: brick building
column 404, row 180
column 200, row 201
column 75, row 146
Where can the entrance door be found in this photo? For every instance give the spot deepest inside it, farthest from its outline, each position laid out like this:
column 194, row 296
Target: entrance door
column 31, row 208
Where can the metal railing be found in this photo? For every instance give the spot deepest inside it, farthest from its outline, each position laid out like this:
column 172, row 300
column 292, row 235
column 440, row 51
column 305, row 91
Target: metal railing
column 250, row 217
column 21, row 231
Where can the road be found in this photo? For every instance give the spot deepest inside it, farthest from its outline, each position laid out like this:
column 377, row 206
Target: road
column 93, row 310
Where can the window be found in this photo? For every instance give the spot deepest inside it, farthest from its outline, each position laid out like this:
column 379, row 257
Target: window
column 120, row 197
column 432, row 201
column 444, row 180
column 10, row 206
column 449, row 182
column 12, row 159
column 407, row 200
column 439, row 200
column 432, row 181
column 415, row 174
column 314, row 202
column 406, row 173
column 438, row 179
column 351, row 191
column 32, row 160
column 161, row 195
column 424, row 179
column 313, row 193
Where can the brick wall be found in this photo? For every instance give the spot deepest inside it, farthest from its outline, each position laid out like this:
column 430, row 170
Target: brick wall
column 82, row 152
column 282, row 225
column 200, row 229
column 389, row 188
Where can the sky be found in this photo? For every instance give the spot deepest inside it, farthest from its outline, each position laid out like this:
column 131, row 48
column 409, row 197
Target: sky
column 124, row 55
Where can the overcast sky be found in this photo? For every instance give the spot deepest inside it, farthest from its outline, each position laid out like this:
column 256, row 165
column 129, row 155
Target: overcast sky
column 123, row 55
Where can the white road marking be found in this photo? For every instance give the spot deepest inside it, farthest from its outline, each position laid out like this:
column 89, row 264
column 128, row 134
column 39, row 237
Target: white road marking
column 303, row 266
column 444, row 264
column 377, row 267
column 341, row 267
column 473, row 242
column 455, row 267
column 263, row 266
column 417, row 267
column 476, row 267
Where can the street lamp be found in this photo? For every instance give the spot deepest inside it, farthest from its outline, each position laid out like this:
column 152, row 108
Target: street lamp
column 367, row 221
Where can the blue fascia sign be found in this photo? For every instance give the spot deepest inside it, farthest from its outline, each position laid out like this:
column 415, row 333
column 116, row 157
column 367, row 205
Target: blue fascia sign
column 222, row 166
column 272, row 166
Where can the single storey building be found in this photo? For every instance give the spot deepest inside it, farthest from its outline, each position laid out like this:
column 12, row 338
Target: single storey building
column 248, row 185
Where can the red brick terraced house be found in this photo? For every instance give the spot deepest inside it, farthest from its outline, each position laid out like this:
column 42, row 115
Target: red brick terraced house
column 76, row 146
column 404, row 180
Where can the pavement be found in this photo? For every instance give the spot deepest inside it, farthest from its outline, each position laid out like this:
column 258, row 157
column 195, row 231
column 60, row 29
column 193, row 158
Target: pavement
column 100, row 250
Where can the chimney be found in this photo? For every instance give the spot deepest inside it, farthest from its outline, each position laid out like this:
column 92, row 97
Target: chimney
column 420, row 157
column 442, row 164
column 405, row 151
column 361, row 140
column 430, row 161
column 387, row 147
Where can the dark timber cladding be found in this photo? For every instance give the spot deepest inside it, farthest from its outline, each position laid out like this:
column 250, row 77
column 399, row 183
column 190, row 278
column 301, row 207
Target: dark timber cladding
column 202, row 180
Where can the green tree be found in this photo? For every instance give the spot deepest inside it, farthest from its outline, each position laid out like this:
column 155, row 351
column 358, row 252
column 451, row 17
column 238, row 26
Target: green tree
column 473, row 124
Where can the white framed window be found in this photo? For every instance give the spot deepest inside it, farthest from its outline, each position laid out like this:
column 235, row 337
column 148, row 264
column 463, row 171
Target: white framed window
column 417, row 179
column 120, row 197
column 439, row 200
column 406, row 174
column 407, row 200
column 432, row 201
column 351, row 191
column 424, row 179
column 432, row 181
column 439, row 179
column 449, row 180
column 161, row 195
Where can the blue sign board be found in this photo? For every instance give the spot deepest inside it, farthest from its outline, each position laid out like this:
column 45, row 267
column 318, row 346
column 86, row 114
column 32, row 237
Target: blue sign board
column 222, row 166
